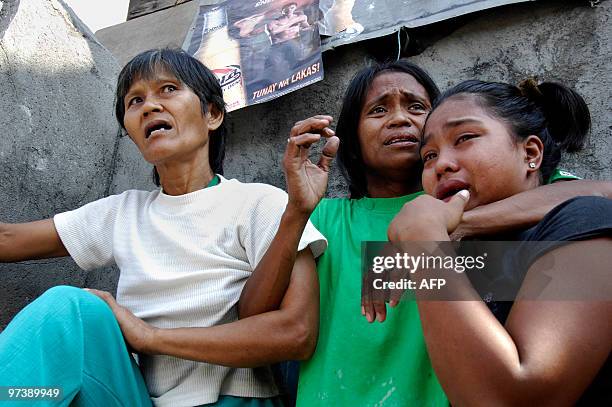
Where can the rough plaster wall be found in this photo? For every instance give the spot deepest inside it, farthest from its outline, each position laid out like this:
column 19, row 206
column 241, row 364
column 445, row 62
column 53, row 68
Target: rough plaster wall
column 58, row 141
column 164, row 28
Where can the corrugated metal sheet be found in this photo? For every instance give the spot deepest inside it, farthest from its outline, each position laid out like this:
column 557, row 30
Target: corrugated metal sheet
column 139, row 8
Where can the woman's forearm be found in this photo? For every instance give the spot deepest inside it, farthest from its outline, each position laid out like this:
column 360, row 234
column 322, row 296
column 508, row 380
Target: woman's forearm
column 266, row 287
column 30, row 241
column 259, row 340
column 289, row 333
column 524, row 210
column 470, row 351
column 547, row 352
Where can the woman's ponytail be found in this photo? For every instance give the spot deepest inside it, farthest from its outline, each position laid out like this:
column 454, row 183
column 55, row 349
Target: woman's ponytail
column 567, row 115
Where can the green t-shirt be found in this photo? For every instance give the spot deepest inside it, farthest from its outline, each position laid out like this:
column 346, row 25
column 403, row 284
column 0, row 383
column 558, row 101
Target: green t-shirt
column 357, row 363
column 561, row 175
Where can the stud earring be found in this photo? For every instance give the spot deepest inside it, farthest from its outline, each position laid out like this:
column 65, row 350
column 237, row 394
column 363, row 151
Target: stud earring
column 532, row 165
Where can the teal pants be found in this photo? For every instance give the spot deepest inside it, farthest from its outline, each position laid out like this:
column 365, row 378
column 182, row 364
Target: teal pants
column 70, row 339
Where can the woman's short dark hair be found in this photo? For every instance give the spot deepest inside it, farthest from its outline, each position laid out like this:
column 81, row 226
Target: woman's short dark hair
column 191, row 73
column 350, row 159
column 556, row 114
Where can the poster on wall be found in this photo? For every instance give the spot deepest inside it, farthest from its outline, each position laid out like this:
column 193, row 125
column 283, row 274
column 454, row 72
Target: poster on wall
column 258, row 49
column 346, row 21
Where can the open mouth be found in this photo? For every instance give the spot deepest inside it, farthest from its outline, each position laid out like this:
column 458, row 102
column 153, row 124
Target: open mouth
column 402, row 139
column 448, row 189
column 156, row 127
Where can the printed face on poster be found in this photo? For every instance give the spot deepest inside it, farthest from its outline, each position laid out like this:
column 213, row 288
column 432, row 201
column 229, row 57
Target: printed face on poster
column 259, row 49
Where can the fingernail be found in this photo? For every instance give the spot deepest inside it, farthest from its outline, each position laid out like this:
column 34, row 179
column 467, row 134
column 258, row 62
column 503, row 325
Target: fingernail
column 464, row 193
column 380, row 318
column 369, row 317
column 362, row 310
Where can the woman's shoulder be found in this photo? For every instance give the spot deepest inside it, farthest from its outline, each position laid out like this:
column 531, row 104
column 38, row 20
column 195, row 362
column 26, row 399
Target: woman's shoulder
column 249, row 198
column 131, row 197
column 578, row 218
column 332, row 203
column 579, row 203
column 331, row 206
column 329, row 211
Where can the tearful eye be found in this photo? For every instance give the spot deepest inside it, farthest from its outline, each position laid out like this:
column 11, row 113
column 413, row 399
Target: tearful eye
column 378, row 110
column 465, row 137
column 428, row 156
column 169, row 88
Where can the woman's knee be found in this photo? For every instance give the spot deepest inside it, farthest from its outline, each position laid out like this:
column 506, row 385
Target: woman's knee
column 63, row 291
column 63, row 309
column 70, row 302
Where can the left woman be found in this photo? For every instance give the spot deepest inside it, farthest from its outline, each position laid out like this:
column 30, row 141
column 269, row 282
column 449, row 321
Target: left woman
column 482, row 143
column 184, row 252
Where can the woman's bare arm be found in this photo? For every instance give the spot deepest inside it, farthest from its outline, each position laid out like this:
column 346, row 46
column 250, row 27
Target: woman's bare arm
column 30, row 241
column 306, row 186
column 524, row 210
column 547, row 353
column 289, row 333
column 266, row 287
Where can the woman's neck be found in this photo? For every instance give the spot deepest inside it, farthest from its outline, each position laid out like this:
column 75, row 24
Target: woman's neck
column 389, row 187
column 183, row 178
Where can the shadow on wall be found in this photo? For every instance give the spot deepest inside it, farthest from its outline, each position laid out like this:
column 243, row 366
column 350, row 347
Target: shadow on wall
column 8, row 9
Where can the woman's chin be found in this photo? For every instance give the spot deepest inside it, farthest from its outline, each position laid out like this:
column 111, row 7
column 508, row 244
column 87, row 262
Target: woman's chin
column 157, row 156
column 405, row 160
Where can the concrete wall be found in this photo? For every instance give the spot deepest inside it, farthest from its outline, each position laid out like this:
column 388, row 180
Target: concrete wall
column 564, row 41
column 59, row 138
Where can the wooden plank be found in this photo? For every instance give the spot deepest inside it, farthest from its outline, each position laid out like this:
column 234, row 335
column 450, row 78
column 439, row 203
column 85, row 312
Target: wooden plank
column 138, row 8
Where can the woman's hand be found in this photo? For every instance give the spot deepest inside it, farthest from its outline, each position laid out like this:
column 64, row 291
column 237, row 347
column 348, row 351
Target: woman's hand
column 428, row 219
column 307, row 182
column 137, row 333
column 425, row 219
